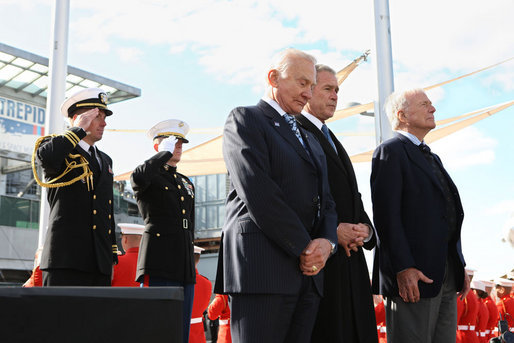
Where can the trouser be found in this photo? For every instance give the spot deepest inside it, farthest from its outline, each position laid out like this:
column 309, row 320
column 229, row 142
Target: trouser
column 431, row 320
column 189, row 293
column 274, row 318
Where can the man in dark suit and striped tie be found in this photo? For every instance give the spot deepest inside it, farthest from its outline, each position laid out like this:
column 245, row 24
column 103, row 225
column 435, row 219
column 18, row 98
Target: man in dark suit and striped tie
column 280, row 225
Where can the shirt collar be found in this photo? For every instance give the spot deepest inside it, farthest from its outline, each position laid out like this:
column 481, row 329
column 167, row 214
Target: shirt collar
column 410, row 136
column 84, row 145
column 318, row 123
column 274, row 104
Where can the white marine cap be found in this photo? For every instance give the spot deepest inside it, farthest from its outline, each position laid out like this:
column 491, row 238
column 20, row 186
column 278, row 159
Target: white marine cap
column 131, row 229
column 170, row 127
column 198, row 250
column 85, row 98
column 487, row 283
column 504, row 282
column 470, row 271
column 476, row 284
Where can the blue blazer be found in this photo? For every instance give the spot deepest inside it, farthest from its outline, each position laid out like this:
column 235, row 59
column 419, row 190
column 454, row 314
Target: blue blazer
column 272, row 206
column 410, row 218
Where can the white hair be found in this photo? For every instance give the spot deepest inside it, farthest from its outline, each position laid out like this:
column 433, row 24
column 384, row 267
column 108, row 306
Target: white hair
column 283, row 59
column 397, row 101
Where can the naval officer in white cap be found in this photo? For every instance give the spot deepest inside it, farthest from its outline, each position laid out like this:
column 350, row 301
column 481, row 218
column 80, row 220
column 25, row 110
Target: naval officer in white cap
column 166, row 201
column 80, row 245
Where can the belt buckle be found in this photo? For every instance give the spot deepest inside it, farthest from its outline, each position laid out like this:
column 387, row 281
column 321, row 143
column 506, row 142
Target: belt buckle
column 184, row 223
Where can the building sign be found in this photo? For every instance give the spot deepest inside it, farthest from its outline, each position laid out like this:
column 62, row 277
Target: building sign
column 20, row 125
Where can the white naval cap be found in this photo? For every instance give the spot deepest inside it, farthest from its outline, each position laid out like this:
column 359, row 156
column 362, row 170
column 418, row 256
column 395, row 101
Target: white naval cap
column 198, row 250
column 170, row 127
column 131, row 229
column 85, row 98
column 476, row 284
column 504, row 282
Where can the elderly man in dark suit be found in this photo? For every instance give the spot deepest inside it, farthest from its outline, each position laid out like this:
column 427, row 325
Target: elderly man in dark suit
column 346, row 312
column 280, row 226
column 80, row 245
column 419, row 266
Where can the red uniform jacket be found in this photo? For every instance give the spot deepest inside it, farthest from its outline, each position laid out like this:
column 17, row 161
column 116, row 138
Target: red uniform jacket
column 492, row 322
column 36, row 279
column 467, row 319
column 506, row 309
column 381, row 322
column 482, row 321
column 219, row 308
column 203, row 291
column 125, row 271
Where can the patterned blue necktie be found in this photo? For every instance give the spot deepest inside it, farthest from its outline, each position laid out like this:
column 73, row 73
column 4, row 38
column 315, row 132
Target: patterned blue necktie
column 324, row 129
column 292, row 122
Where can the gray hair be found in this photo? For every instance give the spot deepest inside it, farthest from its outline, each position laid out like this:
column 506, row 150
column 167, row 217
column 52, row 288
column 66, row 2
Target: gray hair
column 283, row 59
column 323, row 67
column 397, row 101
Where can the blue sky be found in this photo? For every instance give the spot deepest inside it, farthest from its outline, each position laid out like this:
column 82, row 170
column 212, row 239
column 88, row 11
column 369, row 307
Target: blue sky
column 197, row 60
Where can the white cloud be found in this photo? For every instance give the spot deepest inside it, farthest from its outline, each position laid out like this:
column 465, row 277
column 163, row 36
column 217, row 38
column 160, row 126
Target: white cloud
column 478, row 150
column 130, row 54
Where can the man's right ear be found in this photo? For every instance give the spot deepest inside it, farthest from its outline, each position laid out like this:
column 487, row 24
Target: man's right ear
column 273, row 75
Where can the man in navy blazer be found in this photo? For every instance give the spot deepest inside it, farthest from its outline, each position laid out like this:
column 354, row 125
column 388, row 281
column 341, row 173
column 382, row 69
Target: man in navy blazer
column 419, row 266
column 280, row 225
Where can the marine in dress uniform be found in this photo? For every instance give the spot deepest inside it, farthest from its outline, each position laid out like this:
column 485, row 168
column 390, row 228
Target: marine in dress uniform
column 492, row 322
column 80, row 245
column 125, row 271
column 166, row 202
column 203, row 292
column 219, row 308
column 381, row 319
column 478, row 288
column 504, row 302
column 467, row 317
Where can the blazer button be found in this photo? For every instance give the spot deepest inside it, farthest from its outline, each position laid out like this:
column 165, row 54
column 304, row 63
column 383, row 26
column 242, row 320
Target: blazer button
column 179, row 187
column 94, row 211
column 94, row 196
column 94, row 227
column 158, row 234
column 183, row 211
column 110, row 216
column 109, row 231
column 182, row 198
column 110, row 202
column 175, row 175
column 166, row 188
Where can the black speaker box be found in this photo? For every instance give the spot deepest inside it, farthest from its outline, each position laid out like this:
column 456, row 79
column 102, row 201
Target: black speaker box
column 91, row 314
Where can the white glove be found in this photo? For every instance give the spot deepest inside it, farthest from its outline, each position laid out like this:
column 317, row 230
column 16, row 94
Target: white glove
column 167, row 144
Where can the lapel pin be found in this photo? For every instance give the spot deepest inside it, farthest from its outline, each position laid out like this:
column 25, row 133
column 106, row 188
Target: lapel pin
column 277, row 124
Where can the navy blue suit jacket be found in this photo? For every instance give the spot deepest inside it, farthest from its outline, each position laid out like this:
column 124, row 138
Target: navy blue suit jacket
column 410, row 218
column 272, row 204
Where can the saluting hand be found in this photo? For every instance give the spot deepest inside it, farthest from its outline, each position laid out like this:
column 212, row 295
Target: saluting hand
column 167, row 144
column 84, row 120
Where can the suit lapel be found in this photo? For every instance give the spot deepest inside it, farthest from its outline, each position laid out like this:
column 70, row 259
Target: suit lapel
column 323, row 141
column 416, row 156
column 282, row 127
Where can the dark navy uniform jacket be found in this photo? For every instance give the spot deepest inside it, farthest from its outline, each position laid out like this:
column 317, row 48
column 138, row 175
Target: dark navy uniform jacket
column 81, row 232
column 166, row 201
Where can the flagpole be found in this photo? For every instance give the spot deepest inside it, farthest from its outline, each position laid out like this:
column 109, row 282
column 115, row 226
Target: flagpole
column 57, row 71
column 384, row 69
